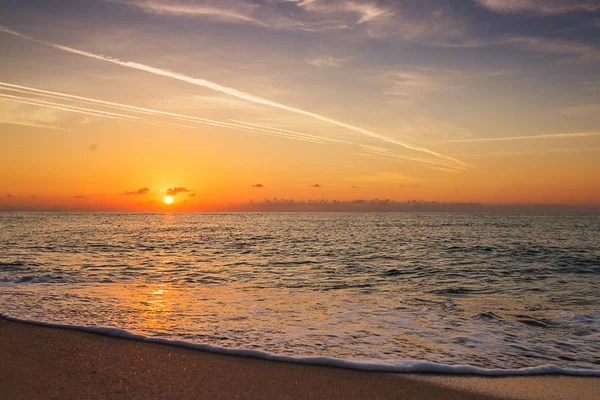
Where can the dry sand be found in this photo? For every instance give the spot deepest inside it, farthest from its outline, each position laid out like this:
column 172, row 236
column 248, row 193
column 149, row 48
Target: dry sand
column 49, row 363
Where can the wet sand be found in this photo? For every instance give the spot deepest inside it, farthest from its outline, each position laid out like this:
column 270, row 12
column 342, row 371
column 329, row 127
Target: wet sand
column 44, row 363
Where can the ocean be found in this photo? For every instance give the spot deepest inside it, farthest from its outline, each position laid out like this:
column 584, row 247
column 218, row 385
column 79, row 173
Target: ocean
column 481, row 293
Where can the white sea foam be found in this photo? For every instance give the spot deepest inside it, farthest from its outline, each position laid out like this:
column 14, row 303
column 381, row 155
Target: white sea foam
column 404, row 366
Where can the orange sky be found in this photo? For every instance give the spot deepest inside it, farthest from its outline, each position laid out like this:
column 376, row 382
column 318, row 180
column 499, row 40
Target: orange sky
column 257, row 106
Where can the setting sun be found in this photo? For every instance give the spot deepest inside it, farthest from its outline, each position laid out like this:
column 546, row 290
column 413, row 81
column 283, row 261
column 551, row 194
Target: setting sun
column 168, row 200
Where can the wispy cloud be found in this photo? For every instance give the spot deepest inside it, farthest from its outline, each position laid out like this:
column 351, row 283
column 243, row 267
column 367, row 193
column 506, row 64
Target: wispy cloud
column 31, row 124
column 138, row 192
column 366, row 18
column 231, row 11
column 407, row 83
column 176, row 190
column 582, row 110
column 578, row 50
column 316, row 186
column 544, row 7
column 324, row 61
column 14, row 113
column 549, row 136
column 64, row 107
column 258, row 185
column 410, row 82
column 263, row 15
column 235, row 93
column 364, row 10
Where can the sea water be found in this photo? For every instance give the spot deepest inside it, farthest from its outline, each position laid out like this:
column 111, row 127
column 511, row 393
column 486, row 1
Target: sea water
column 480, row 293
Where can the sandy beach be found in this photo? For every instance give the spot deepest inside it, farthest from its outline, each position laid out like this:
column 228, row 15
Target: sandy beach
column 41, row 362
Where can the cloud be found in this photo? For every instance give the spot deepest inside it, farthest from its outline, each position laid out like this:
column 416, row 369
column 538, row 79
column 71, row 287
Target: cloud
column 258, row 185
column 367, row 18
column 316, row 185
column 138, row 192
column 9, row 195
column 418, row 81
column 578, row 50
column 324, row 61
column 582, row 110
column 79, row 197
column 12, row 113
column 192, row 195
column 264, row 15
column 235, row 93
column 230, row 11
column 176, row 190
column 543, row 7
column 509, row 138
column 64, row 107
column 407, row 83
column 363, row 11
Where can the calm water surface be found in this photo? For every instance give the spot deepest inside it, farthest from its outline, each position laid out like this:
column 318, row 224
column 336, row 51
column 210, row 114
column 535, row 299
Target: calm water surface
column 488, row 290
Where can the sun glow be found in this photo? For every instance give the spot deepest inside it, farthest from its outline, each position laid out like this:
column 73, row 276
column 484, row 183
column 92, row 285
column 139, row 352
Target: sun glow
column 168, row 200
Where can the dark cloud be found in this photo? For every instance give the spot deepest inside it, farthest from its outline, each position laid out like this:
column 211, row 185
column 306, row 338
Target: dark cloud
column 9, row 195
column 138, row 192
column 176, row 190
column 316, row 185
column 258, row 185
column 79, row 197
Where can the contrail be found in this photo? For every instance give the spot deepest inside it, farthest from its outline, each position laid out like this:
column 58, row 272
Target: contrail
column 55, row 107
column 51, row 103
column 277, row 132
column 392, row 154
column 229, row 91
column 285, row 130
column 148, row 111
column 549, row 136
column 35, row 125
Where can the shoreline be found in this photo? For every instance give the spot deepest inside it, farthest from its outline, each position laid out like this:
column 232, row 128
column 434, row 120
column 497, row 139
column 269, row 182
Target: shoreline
column 406, row 367
column 42, row 362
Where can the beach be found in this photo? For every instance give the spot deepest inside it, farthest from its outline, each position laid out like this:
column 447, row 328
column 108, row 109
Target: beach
column 44, row 362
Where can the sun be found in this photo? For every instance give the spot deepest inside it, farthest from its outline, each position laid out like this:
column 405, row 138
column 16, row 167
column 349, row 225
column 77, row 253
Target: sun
column 168, row 200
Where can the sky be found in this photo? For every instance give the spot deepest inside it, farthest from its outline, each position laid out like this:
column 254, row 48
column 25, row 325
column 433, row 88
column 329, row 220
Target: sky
column 269, row 105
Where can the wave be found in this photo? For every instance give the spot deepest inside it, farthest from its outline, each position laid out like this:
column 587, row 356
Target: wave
column 405, row 366
column 34, row 279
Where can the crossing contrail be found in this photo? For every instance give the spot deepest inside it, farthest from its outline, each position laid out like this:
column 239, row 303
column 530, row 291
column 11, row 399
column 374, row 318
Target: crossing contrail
column 231, row 92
